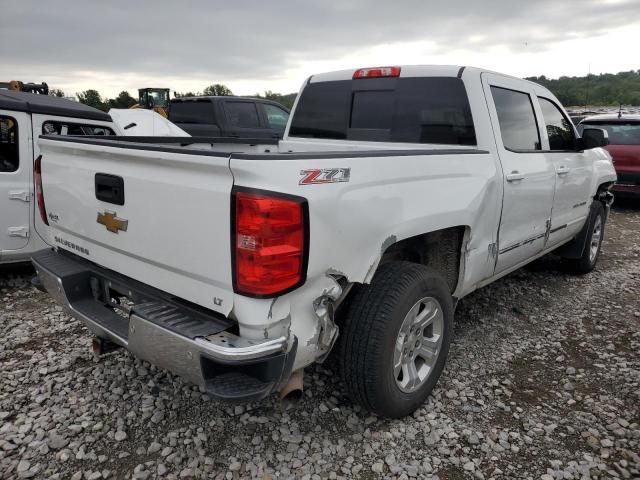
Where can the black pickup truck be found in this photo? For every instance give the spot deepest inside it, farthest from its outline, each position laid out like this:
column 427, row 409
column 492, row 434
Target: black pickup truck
column 226, row 116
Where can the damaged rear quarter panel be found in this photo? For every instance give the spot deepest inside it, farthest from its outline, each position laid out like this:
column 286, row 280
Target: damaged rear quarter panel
column 387, row 199
column 352, row 223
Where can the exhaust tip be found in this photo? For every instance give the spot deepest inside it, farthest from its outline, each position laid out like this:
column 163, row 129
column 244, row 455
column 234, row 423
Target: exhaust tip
column 292, row 392
column 101, row 347
column 36, row 282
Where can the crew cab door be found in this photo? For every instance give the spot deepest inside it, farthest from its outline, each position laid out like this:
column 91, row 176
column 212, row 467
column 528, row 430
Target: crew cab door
column 528, row 174
column 16, row 162
column 573, row 173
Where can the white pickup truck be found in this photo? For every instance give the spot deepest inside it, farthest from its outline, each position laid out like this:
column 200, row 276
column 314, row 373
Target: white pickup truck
column 395, row 192
column 23, row 117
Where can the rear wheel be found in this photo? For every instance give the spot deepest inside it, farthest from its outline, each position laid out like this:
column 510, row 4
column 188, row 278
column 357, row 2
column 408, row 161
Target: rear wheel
column 587, row 261
column 396, row 338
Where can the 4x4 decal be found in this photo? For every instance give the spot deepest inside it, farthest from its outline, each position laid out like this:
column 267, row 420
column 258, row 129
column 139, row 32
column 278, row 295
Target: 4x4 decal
column 324, row 175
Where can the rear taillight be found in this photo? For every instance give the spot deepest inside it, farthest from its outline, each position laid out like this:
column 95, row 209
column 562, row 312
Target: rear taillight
column 37, row 180
column 377, row 72
column 270, row 242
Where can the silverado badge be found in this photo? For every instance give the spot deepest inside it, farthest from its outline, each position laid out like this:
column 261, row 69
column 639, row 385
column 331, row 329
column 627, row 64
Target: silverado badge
column 112, row 222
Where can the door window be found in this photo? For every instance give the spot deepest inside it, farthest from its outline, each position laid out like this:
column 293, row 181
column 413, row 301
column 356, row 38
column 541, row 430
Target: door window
column 559, row 129
column 242, row 114
column 517, row 120
column 276, row 116
column 9, row 157
column 192, row 111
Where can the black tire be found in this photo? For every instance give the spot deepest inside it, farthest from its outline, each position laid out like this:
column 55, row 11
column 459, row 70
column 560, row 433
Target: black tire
column 587, row 262
column 370, row 329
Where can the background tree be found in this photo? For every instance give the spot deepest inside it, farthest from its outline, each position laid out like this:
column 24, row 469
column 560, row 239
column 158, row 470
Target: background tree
column 186, row 94
column 123, row 100
column 604, row 89
column 217, row 90
column 286, row 99
column 56, row 92
column 91, row 98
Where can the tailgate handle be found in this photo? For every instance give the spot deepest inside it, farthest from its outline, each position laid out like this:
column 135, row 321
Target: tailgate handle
column 110, row 188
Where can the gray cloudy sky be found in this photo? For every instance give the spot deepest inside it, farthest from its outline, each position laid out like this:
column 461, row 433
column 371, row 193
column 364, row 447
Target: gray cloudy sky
column 252, row 46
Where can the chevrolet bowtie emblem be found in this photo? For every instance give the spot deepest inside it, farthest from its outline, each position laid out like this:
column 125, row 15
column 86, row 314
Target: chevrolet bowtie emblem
column 112, row 222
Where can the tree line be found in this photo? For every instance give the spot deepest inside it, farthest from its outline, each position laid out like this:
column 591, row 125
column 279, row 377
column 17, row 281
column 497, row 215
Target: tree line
column 124, row 99
column 595, row 90
column 605, row 89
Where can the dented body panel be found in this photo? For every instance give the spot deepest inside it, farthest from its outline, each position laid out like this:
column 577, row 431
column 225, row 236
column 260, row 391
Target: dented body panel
column 353, row 224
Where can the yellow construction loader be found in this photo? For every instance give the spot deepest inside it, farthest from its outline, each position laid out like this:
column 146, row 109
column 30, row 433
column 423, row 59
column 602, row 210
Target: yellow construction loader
column 156, row 99
column 17, row 85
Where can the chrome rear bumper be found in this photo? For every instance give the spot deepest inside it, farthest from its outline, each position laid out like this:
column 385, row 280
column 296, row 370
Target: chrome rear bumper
column 185, row 340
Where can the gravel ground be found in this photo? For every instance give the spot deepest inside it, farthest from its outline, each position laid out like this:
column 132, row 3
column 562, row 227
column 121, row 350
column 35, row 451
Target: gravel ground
column 543, row 382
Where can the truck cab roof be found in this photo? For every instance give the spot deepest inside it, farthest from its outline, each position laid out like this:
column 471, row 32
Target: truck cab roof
column 222, row 98
column 32, row 103
column 407, row 71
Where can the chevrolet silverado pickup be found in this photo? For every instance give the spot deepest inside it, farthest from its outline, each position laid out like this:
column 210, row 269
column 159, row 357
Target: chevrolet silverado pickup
column 395, row 191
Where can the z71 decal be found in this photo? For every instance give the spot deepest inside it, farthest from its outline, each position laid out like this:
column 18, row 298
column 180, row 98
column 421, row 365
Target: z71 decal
column 324, row 175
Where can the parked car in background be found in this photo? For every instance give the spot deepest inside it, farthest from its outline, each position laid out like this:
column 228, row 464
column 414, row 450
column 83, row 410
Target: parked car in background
column 624, row 147
column 226, row 116
column 23, row 118
column 395, row 192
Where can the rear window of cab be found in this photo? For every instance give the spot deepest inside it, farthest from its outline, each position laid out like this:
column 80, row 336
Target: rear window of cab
column 431, row 110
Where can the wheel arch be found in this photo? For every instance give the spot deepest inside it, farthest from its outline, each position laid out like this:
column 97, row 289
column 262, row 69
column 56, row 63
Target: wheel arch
column 441, row 250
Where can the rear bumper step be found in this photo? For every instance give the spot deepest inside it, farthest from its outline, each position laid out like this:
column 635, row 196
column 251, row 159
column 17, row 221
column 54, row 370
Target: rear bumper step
column 159, row 329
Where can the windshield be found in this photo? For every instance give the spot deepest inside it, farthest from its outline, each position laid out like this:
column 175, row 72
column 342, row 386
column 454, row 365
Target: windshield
column 620, row 133
column 150, row 98
column 160, row 98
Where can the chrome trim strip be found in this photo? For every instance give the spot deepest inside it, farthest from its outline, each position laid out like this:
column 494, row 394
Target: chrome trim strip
column 249, row 352
column 521, row 244
column 554, row 230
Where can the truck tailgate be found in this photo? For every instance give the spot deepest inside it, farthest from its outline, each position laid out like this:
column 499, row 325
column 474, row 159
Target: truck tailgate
column 171, row 230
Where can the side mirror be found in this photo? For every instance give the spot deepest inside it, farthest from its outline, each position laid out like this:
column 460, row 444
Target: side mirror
column 593, row 138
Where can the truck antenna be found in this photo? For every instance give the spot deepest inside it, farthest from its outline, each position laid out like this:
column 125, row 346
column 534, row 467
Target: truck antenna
column 586, row 99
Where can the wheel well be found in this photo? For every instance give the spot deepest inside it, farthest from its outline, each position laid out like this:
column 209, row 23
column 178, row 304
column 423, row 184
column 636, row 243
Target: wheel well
column 603, row 188
column 440, row 250
column 604, row 196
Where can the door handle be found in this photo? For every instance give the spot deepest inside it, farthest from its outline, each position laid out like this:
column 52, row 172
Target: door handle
column 19, row 195
column 562, row 170
column 515, row 176
column 109, row 188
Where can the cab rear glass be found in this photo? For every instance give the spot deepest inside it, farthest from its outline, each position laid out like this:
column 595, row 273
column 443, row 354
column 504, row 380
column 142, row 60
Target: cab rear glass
column 410, row 110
